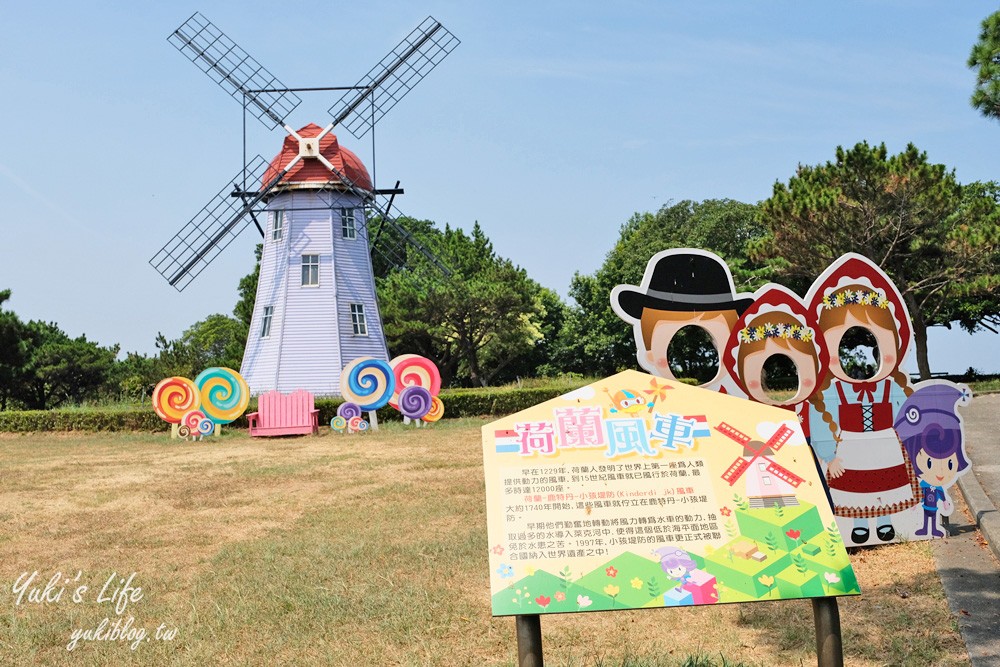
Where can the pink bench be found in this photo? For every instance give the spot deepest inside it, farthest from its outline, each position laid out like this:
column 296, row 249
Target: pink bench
column 284, row 414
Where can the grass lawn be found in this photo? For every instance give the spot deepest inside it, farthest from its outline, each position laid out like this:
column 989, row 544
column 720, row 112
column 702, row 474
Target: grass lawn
column 361, row 550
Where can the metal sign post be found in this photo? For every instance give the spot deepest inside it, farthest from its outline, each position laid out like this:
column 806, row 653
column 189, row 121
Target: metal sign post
column 826, row 614
column 829, row 642
column 529, row 640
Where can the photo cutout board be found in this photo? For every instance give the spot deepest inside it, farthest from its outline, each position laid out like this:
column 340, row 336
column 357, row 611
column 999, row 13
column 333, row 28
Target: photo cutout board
column 835, row 358
column 636, row 491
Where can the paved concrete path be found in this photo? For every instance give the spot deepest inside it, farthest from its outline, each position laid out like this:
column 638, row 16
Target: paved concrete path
column 968, row 559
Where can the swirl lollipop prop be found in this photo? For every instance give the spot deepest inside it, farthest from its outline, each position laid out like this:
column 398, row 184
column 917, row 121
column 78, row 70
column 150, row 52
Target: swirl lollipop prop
column 338, row 424
column 370, row 383
column 350, row 418
column 348, row 410
column 173, row 397
column 436, row 411
column 195, row 425
column 413, row 370
column 224, row 394
column 415, row 402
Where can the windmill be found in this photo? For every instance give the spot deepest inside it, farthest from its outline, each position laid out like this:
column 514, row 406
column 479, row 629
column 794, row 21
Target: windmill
column 768, row 483
column 315, row 308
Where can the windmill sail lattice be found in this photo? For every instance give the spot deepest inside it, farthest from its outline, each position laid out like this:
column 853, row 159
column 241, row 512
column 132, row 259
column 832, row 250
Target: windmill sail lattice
column 234, row 70
column 208, row 233
column 393, row 77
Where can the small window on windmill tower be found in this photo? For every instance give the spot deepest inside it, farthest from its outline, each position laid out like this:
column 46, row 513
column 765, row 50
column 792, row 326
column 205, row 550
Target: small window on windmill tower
column 358, row 319
column 277, row 225
column 310, row 270
column 265, row 322
column 347, row 228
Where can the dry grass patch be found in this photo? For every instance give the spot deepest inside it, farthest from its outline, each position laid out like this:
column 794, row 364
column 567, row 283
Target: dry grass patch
column 362, row 550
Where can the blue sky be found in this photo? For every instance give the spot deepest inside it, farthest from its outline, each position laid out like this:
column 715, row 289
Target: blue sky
column 551, row 124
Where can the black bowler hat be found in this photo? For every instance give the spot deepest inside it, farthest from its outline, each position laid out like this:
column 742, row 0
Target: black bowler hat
column 682, row 280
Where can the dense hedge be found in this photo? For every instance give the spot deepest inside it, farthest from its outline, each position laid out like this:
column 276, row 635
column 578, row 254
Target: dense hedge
column 457, row 403
column 77, row 419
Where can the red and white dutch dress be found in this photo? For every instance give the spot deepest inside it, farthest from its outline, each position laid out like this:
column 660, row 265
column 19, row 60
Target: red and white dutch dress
column 878, row 478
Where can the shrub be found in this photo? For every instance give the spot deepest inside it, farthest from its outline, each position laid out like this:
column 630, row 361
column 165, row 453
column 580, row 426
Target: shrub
column 457, row 403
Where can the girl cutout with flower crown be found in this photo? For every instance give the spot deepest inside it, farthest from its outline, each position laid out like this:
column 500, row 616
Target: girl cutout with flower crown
column 868, row 471
column 777, row 323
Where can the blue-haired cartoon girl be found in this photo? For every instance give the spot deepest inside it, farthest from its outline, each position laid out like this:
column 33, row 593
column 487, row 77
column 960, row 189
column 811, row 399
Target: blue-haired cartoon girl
column 931, row 431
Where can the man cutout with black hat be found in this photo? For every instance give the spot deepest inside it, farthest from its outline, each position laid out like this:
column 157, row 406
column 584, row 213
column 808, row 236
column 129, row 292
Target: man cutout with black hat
column 681, row 287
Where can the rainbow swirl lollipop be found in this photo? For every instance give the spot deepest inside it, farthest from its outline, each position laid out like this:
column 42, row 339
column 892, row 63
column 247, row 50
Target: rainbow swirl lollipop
column 206, row 426
column 224, row 394
column 338, row 424
column 436, row 411
column 412, row 370
column 192, row 419
column 367, row 381
column 173, row 397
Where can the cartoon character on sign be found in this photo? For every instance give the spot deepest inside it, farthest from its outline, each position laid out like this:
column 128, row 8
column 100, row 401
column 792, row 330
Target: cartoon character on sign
column 681, row 287
column 778, row 324
column 931, row 431
column 627, row 402
column 677, row 564
column 868, row 471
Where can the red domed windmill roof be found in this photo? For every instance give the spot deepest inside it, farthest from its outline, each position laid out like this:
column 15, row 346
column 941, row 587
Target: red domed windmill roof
column 310, row 169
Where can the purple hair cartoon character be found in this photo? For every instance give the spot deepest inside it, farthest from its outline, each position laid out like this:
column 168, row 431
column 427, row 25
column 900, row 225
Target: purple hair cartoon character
column 930, row 429
column 676, row 563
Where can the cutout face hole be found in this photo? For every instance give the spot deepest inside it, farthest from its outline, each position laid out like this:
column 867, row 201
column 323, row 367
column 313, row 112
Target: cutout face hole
column 859, row 353
column 692, row 354
column 779, row 379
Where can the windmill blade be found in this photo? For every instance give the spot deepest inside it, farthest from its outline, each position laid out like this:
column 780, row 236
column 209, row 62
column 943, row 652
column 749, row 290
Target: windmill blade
column 211, row 230
column 393, row 77
column 386, row 219
column 735, row 471
column 780, row 437
column 234, row 70
column 784, row 474
column 733, row 434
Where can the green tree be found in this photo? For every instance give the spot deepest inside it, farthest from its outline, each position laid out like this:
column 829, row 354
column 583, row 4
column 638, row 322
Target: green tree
column 217, row 340
column 985, row 59
column 476, row 322
column 247, row 290
column 12, row 351
column 600, row 342
column 936, row 239
column 59, row 369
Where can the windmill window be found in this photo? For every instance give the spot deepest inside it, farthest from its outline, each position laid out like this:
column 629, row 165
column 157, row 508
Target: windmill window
column 265, row 322
column 310, row 270
column 347, row 227
column 277, row 225
column 358, row 321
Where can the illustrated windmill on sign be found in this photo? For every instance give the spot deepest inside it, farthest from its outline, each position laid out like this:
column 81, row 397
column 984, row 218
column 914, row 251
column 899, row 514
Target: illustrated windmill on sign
column 315, row 308
column 768, row 483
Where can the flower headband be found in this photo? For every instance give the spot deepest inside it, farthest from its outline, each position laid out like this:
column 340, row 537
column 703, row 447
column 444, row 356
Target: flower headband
column 772, row 330
column 849, row 297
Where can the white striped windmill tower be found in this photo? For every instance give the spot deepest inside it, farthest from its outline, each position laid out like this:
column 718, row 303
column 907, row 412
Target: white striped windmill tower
column 316, row 308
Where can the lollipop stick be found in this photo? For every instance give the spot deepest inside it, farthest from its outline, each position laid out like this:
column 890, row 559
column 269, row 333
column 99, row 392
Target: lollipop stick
column 373, row 419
